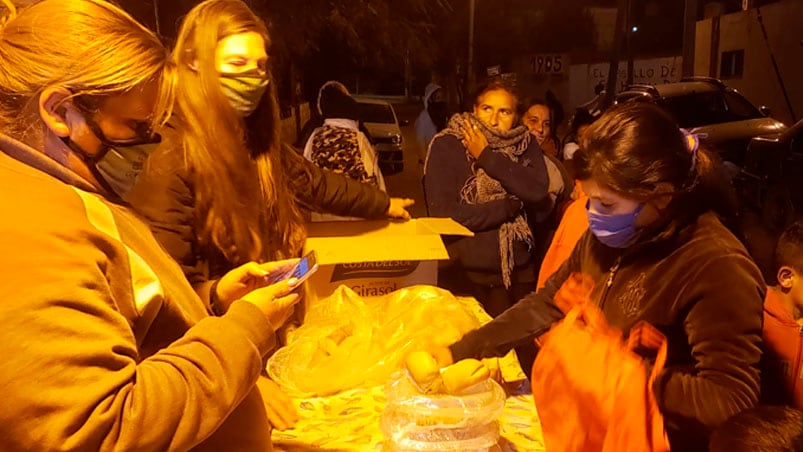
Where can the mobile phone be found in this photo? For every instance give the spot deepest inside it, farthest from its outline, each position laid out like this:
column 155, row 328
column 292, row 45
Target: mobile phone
column 302, row 270
column 306, row 266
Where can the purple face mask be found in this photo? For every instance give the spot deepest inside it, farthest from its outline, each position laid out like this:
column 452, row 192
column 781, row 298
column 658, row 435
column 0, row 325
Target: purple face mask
column 616, row 231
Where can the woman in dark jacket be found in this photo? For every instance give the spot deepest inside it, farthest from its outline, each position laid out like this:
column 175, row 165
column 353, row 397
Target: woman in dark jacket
column 658, row 252
column 222, row 189
column 489, row 174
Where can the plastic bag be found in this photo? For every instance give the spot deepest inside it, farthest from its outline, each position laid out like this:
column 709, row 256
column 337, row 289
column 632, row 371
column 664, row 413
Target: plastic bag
column 591, row 391
column 348, row 342
column 415, row 421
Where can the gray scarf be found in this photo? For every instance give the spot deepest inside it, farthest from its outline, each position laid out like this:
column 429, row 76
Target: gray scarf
column 481, row 188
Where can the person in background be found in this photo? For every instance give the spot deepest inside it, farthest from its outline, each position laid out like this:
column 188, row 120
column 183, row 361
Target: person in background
column 106, row 345
column 432, row 118
column 579, row 124
column 488, row 174
column 783, row 323
column 761, row 429
column 338, row 145
column 573, row 224
column 538, row 119
column 657, row 252
column 573, row 219
column 222, row 189
column 316, row 117
column 595, row 105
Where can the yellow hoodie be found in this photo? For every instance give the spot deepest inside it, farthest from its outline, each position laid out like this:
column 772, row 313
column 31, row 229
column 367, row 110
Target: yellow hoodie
column 105, row 344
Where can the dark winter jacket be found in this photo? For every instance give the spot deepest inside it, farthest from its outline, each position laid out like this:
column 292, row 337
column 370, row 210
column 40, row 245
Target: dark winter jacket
column 447, row 170
column 699, row 287
column 165, row 196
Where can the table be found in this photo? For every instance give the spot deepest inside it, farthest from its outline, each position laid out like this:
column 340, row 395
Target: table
column 349, row 421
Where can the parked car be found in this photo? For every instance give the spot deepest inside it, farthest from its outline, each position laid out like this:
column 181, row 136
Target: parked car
column 381, row 125
column 772, row 176
column 709, row 106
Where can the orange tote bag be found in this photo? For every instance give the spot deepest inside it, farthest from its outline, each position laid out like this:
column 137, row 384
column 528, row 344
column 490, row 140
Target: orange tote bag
column 592, row 392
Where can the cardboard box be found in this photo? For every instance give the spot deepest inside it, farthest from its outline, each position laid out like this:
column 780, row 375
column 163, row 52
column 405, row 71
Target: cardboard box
column 377, row 257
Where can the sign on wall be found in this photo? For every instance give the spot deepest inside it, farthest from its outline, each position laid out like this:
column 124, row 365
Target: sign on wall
column 585, row 77
column 550, row 63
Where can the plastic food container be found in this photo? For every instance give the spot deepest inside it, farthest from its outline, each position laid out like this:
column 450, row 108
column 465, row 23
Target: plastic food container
column 413, row 421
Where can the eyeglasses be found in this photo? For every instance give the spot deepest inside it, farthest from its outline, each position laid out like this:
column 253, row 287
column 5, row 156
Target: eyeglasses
column 143, row 129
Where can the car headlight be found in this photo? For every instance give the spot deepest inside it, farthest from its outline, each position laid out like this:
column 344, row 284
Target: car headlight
column 396, row 139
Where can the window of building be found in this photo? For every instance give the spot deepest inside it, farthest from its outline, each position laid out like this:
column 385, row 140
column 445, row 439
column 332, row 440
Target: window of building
column 732, row 64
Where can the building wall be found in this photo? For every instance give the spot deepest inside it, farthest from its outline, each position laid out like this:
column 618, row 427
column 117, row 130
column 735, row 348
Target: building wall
column 759, row 82
column 652, row 71
column 575, row 84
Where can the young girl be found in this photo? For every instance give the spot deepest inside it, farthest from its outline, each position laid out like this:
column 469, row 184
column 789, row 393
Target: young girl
column 658, row 252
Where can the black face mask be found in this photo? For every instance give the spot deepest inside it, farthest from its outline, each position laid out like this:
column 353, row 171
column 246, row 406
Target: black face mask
column 118, row 162
column 439, row 113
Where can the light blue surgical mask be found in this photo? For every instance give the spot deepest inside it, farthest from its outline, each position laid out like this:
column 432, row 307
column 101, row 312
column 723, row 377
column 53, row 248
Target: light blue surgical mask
column 615, row 231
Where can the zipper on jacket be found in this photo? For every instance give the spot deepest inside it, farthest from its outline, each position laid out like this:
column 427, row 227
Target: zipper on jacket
column 611, row 274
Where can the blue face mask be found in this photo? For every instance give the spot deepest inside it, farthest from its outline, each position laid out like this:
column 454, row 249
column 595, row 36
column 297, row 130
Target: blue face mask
column 616, row 231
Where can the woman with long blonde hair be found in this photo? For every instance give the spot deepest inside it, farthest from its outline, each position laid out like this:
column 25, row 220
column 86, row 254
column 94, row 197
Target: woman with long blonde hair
column 223, row 189
column 105, row 344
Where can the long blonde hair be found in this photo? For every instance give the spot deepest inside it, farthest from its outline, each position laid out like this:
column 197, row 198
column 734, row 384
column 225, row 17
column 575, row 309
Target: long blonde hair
column 245, row 209
column 90, row 47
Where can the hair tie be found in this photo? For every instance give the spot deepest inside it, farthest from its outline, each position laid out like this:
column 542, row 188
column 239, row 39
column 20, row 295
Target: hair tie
column 692, row 141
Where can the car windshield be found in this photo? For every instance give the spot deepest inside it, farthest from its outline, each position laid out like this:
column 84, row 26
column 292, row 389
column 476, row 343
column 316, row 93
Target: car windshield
column 380, row 113
column 702, row 109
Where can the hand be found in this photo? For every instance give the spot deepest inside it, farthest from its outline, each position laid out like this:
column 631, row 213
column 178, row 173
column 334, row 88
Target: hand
column 398, row 208
column 575, row 291
column 247, row 277
column 473, row 139
column 275, row 301
column 515, row 205
column 282, row 414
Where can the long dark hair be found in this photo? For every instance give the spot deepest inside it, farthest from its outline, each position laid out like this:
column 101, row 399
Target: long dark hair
column 245, row 209
column 634, row 149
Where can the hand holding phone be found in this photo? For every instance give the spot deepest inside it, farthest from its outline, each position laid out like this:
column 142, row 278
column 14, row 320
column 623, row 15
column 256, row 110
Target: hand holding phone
column 244, row 279
column 276, row 302
column 305, row 267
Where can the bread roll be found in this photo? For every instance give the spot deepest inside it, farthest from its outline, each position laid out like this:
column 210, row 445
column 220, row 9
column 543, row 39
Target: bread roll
column 422, row 367
column 463, row 374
